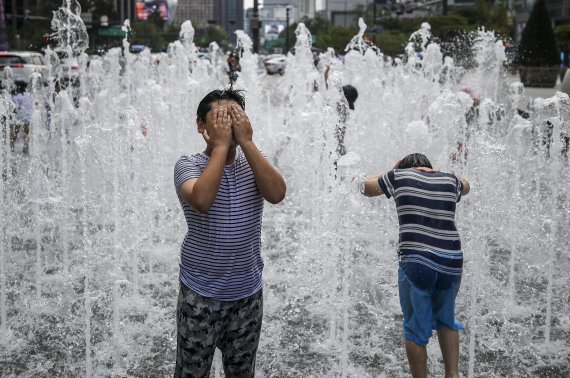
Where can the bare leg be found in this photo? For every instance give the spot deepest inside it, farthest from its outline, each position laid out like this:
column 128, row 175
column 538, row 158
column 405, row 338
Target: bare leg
column 417, row 358
column 449, row 345
column 26, row 139
column 14, row 130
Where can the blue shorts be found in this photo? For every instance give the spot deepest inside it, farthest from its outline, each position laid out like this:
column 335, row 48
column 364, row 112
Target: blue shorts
column 427, row 298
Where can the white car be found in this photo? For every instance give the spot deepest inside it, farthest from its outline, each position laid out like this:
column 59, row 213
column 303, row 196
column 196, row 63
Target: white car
column 276, row 64
column 70, row 69
column 22, row 64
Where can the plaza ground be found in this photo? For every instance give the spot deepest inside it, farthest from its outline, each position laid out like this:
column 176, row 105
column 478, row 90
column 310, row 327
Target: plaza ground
column 530, row 93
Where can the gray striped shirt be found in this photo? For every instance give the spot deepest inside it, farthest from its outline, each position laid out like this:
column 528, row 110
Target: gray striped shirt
column 220, row 256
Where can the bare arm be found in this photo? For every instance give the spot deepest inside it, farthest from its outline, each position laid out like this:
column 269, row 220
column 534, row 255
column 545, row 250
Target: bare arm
column 268, row 179
column 201, row 193
column 371, row 186
column 466, row 187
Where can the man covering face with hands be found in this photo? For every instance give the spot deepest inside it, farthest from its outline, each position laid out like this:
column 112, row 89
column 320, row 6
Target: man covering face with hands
column 222, row 191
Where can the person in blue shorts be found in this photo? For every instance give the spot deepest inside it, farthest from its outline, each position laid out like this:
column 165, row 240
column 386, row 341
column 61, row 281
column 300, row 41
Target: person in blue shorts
column 222, row 191
column 431, row 259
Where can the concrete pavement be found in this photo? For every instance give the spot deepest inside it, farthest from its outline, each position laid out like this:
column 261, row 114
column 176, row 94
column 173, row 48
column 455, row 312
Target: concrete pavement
column 530, row 93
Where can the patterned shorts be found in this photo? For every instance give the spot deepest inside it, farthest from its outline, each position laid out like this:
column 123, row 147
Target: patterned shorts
column 204, row 324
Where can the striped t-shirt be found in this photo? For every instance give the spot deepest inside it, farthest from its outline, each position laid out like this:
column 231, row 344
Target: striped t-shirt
column 220, row 256
column 425, row 202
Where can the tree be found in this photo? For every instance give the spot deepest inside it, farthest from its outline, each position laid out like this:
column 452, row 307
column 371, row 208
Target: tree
column 215, row 33
column 337, row 36
column 538, row 43
column 149, row 33
column 206, row 34
column 490, row 15
column 392, row 42
column 562, row 33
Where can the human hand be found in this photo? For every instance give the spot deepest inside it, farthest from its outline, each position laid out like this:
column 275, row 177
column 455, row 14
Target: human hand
column 240, row 125
column 358, row 181
column 218, row 130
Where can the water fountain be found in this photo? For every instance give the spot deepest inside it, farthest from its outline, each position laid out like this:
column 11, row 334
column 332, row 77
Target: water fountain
column 91, row 226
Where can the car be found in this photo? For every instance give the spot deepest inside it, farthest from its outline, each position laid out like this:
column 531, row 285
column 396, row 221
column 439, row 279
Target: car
column 204, row 55
column 23, row 65
column 275, row 64
column 67, row 68
column 70, row 69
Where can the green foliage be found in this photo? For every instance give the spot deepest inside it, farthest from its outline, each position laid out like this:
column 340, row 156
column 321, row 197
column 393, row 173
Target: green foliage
column 31, row 33
column 392, row 42
column 562, row 33
column 211, row 33
column 442, row 25
column 538, row 43
column 337, row 37
column 491, row 16
column 458, row 45
column 152, row 34
column 31, row 36
column 317, row 25
column 327, row 35
column 148, row 33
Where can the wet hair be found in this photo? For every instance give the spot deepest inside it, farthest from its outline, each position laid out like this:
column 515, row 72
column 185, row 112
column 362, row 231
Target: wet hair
column 351, row 95
column 414, row 160
column 229, row 94
column 19, row 87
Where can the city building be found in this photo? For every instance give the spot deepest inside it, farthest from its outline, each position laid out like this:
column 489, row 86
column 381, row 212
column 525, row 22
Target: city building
column 247, row 21
column 200, row 12
column 343, row 12
column 229, row 14
column 125, row 10
column 274, row 17
column 303, row 8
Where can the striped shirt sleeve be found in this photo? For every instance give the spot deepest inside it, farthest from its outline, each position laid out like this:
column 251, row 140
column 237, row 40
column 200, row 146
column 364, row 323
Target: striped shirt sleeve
column 459, row 186
column 386, row 182
column 186, row 168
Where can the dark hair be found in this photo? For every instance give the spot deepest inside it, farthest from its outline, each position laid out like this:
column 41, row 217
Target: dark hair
column 351, row 95
column 414, row 160
column 19, row 87
column 229, row 94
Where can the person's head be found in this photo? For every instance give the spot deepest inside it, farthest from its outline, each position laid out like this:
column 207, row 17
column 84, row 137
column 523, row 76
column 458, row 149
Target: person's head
column 351, row 95
column 215, row 99
column 471, row 92
column 414, row 160
column 233, row 58
column 19, row 87
column 217, row 96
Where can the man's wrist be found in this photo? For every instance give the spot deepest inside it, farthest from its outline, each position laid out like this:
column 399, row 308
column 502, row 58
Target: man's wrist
column 221, row 148
column 362, row 186
column 246, row 144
